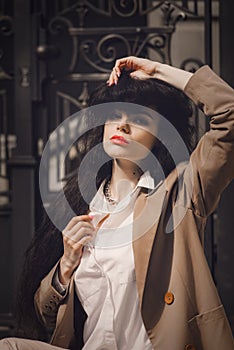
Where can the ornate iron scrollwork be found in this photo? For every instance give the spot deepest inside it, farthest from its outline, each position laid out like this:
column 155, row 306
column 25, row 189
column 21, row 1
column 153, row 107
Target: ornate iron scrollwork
column 191, row 64
column 126, row 8
column 98, row 48
column 6, row 25
column 105, row 51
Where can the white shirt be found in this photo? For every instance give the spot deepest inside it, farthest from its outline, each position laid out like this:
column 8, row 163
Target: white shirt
column 105, row 280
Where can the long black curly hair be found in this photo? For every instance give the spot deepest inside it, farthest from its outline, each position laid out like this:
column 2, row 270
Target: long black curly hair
column 46, row 247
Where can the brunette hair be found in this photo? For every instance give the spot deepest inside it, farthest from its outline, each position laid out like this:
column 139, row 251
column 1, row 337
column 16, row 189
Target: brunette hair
column 46, row 247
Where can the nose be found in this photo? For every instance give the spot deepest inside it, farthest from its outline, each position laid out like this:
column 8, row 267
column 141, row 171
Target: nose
column 124, row 126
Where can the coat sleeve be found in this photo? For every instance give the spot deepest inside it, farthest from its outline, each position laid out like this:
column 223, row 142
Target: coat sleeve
column 47, row 300
column 213, row 159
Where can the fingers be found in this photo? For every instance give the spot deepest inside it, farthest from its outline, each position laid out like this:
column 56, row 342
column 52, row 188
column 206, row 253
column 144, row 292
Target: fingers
column 76, row 219
column 114, row 76
column 77, row 233
column 126, row 63
column 141, row 68
column 78, row 228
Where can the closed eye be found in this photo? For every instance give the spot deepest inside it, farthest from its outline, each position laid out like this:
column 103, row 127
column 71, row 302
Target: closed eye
column 137, row 119
column 140, row 120
column 114, row 116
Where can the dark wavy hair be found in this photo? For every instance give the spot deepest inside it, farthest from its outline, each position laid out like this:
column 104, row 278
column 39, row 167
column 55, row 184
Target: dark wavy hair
column 156, row 94
column 46, row 247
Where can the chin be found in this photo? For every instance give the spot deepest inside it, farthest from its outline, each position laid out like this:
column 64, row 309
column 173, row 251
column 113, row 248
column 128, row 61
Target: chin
column 126, row 152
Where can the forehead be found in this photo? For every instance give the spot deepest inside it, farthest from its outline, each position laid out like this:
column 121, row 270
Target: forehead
column 106, row 110
column 132, row 112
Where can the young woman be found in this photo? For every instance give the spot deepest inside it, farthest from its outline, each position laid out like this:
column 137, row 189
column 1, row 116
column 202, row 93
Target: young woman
column 129, row 272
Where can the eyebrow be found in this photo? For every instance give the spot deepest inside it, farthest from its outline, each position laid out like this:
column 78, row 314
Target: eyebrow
column 145, row 113
column 138, row 111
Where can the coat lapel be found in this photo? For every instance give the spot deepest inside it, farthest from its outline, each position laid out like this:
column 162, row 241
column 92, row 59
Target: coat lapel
column 147, row 213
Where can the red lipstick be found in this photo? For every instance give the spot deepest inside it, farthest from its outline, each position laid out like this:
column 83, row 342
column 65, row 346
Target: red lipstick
column 119, row 140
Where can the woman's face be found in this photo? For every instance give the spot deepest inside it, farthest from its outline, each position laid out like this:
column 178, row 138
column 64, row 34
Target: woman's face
column 129, row 136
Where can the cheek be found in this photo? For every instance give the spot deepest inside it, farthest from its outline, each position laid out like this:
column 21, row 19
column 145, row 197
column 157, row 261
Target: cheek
column 148, row 141
column 105, row 133
column 108, row 130
column 109, row 148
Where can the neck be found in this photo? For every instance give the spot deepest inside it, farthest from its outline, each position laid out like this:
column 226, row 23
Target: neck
column 125, row 176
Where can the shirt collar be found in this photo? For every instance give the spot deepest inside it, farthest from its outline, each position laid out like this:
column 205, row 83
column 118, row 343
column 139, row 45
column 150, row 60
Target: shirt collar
column 146, row 181
column 100, row 204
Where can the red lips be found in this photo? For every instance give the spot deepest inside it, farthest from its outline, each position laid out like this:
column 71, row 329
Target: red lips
column 119, row 140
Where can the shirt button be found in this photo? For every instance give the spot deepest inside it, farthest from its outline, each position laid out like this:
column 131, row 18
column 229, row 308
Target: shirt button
column 190, row 347
column 169, row 298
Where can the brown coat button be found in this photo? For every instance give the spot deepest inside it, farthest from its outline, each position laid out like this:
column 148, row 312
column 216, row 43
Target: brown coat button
column 190, row 347
column 169, row 298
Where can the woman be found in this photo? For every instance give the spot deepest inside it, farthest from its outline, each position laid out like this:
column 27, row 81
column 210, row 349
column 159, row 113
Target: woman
column 151, row 287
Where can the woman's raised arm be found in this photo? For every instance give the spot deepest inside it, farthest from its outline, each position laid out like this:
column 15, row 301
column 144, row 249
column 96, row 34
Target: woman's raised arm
column 142, row 68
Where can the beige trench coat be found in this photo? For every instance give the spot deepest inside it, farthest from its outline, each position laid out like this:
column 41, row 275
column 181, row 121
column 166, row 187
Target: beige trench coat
column 179, row 303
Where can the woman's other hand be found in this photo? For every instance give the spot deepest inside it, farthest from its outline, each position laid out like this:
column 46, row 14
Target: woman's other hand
column 76, row 234
column 142, row 68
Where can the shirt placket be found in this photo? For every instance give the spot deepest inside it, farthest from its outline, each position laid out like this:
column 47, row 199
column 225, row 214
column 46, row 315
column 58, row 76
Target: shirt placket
column 108, row 309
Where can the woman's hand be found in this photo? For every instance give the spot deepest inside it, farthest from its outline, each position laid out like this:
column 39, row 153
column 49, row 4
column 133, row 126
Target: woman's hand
column 142, row 68
column 76, row 234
